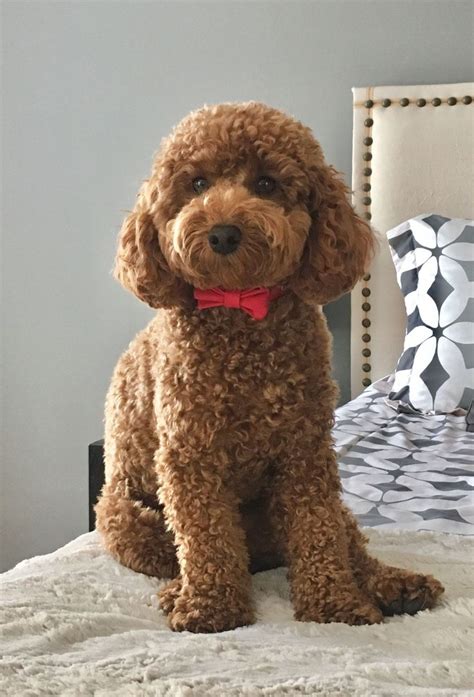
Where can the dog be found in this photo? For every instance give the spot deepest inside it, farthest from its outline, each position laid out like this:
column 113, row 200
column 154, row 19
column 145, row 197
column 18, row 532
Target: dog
column 218, row 449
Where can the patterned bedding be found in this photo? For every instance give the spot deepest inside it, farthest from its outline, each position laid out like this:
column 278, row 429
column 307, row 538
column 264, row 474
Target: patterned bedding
column 404, row 470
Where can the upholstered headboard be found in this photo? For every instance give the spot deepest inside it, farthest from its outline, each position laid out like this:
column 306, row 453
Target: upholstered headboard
column 413, row 153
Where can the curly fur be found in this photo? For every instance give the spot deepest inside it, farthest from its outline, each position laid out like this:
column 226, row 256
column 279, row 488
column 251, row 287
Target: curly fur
column 219, row 458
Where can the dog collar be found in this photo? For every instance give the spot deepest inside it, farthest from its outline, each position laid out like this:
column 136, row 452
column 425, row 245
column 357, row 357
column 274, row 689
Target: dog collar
column 254, row 301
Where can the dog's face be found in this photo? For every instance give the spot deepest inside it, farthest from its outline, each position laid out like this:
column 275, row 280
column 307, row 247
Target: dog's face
column 239, row 197
column 233, row 201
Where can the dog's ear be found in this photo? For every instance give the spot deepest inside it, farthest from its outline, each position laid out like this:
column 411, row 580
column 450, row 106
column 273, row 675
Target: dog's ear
column 340, row 244
column 140, row 265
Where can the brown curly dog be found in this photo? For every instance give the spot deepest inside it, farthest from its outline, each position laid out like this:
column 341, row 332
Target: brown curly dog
column 219, row 458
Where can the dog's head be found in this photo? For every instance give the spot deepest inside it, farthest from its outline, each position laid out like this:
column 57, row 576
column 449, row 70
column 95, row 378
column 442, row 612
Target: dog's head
column 240, row 196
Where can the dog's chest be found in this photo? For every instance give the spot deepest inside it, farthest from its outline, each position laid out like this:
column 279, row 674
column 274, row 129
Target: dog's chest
column 243, row 389
column 257, row 392
column 262, row 383
column 238, row 389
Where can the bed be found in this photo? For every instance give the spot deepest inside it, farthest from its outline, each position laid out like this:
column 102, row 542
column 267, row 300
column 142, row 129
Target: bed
column 76, row 622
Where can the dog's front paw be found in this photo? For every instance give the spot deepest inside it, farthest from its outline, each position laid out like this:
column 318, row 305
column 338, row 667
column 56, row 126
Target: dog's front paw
column 219, row 610
column 400, row 592
column 348, row 608
column 169, row 594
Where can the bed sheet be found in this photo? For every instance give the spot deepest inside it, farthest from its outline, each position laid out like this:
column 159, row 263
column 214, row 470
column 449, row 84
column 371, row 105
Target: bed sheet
column 405, row 470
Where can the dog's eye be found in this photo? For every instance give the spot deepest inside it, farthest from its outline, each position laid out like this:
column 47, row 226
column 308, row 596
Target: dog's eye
column 200, row 185
column 265, row 186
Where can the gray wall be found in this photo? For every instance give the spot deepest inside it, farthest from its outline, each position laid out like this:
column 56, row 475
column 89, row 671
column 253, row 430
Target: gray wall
column 90, row 88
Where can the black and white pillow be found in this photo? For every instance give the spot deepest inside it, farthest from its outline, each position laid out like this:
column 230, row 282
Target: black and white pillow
column 434, row 259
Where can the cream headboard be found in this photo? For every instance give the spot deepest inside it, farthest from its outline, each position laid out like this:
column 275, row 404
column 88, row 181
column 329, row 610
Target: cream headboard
column 413, row 153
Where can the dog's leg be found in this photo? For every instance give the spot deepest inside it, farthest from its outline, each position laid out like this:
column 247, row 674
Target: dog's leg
column 308, row 511
column 135, row 534
column 128, row 514
column 263, row 549
column 214, row 593
column 396, row 591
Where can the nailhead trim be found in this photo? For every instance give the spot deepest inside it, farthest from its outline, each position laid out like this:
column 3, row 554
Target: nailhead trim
column 367, row 201
column 405, row 101
column 366, row 352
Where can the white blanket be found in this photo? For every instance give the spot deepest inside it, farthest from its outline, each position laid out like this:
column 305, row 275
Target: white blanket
column 75, row 622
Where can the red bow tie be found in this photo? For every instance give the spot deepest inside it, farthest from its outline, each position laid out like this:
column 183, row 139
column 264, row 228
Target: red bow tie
column 254, row 301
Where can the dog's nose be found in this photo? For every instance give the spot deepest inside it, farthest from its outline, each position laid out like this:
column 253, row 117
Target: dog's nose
column 224, row 239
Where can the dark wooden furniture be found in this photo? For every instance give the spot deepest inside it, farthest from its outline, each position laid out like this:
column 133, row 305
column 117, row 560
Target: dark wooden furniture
column 96, row 477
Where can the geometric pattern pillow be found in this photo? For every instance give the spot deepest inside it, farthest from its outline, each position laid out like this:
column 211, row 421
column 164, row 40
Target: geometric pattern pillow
column 434, row 260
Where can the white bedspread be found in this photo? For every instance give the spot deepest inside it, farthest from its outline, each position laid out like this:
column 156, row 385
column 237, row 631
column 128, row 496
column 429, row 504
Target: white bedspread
column 77, row 623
